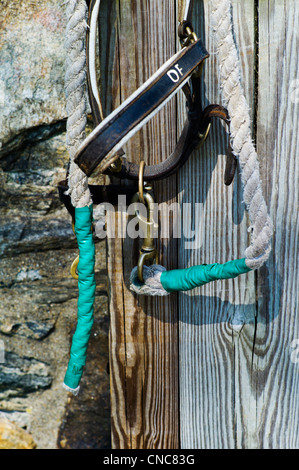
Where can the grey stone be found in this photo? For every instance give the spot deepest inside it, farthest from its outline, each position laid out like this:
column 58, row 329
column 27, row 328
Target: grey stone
column 28, row 275
column 29, row 329
column 23, row 375
column 20, row 418
column 27, row 234
column 38, row 297
column 31, row 68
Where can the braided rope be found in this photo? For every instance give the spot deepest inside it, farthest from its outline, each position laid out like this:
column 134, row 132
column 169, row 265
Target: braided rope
column 75, row 80
column 242, row 146
column 152, row 284
column 241, row 141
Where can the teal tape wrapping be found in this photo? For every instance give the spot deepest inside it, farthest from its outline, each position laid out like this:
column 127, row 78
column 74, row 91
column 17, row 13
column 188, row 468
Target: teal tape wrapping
column 186, row 279
column 87, row 287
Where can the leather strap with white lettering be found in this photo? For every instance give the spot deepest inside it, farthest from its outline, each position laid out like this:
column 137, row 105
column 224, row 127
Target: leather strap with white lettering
column 104, row 145
column 108, row 137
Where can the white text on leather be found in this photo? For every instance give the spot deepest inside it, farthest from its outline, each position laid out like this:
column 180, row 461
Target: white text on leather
column 174, row 75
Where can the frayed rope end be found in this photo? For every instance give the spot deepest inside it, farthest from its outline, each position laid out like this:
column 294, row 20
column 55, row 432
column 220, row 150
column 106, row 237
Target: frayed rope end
column 74, row 391
column 152, row 284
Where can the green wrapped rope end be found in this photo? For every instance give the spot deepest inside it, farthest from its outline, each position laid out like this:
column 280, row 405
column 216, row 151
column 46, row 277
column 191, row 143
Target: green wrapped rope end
column 189, row 278
column 87, row 287
column 159, row 281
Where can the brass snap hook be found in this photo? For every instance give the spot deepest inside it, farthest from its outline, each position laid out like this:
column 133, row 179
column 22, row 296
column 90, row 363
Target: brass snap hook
column 148, row 225
column 145, row 256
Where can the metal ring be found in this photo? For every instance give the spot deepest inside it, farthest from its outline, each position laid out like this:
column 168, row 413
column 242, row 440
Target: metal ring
column 74, row 268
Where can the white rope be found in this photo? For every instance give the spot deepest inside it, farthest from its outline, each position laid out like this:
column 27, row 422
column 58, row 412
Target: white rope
column 242, row 146
column 75, row 79
column 241, row 141
column 152, row 284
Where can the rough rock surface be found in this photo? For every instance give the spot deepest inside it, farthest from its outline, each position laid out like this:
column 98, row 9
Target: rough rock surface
column 31, row 71
column 14, row 437
column 37, row 295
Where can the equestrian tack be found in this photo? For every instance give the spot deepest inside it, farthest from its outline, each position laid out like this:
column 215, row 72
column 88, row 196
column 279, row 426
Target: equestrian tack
column 102, row 150
column 106, row 140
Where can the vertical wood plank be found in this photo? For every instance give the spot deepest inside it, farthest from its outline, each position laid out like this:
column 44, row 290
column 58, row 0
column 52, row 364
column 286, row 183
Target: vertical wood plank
column 239, row 372
column 216, row 320
column 275, row 373
column 238, row 377
column 143, row 332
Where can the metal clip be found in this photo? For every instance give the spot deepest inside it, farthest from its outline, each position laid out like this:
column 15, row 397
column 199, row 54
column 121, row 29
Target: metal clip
column 116, row 166
column 147, row 225
column 203, row 136
column 192, row 37
column 187, row 34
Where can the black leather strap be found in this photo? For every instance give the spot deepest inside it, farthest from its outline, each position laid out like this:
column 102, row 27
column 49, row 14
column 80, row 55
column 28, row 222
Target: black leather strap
column 109, row 133
column 128, row 118
column 99, row 194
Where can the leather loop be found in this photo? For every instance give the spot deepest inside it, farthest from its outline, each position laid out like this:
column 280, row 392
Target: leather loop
column 109, row 136
column 104, row 145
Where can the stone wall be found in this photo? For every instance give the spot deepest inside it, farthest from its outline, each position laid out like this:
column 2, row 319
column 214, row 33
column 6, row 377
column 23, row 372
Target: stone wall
column 37, row 246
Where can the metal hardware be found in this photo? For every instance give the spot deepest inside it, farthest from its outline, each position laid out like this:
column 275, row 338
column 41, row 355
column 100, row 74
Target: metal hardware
column 186, row 34
column 75, row 263
column 116, row 166
column 73, row 269
column 192, row 37
column 148, row 226
column 203, row 136
column 140, row 181
column 145, row 256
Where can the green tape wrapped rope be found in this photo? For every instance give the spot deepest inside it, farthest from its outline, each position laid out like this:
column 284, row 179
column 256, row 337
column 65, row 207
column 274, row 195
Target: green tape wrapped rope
column 159, row 281
column 87, row 287
column 186, row 279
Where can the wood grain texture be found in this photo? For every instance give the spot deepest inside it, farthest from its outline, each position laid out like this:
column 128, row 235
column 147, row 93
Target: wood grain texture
column 143, row 332
column 275, row 375
column 213, row 317
column 231, row 377
column 238, row 386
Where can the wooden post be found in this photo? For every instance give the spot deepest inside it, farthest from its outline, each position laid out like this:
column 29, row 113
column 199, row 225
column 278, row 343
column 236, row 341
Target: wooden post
column 227, row 351
column 275, row 371
column 217, row 321
column 239, row 380
column 143, row 331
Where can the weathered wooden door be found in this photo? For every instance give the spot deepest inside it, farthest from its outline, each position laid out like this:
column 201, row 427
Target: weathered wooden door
column 217, row 367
